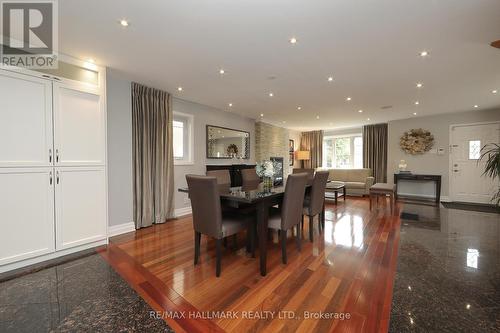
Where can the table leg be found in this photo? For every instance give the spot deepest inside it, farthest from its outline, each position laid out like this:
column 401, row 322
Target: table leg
column 345, row 193
column 322, row 220
column 336, row 196
column 262, row 219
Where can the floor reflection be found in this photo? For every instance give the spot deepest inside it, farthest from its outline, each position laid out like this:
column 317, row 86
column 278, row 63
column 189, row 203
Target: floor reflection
column 448, row 274
column 347, row 231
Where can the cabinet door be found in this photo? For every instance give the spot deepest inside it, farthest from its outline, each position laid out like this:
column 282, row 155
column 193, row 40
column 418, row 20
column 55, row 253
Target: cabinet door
column 81, row 210
column 79, row 125
column 25, row 120
column 27, row 208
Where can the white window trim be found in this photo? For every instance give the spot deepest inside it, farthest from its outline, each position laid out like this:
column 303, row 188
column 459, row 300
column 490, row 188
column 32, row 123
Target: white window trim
column 350, row 135
column 190, row 159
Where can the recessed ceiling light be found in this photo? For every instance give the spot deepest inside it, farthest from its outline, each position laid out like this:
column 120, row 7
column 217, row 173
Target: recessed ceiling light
column 124, row 23
column 368, row 119
column 293, row 40
column 179, row 88
column 230, row 104
column 420, row 85
column 299, row 107
column 222, row 71
column 330, row 79
column 262, row 115
column 317, row 117
column 414, row 113
column 417, row 103
column 360, row 111
column 271, row 94
column 476, row 106
column 348, row 98
column 494, row 91
column 424, row 53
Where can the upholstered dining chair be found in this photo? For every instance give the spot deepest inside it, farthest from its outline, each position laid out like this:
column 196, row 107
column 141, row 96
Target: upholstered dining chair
column 289, row 214
column 309, row 172
column 250, row 178
column 208, row 218
column 222, row 176
column 313, row 202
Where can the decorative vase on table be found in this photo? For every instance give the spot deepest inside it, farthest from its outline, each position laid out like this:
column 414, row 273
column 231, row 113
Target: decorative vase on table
column 265, row 170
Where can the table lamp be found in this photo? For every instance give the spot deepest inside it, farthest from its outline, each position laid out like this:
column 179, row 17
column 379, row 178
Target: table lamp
column 303, row 155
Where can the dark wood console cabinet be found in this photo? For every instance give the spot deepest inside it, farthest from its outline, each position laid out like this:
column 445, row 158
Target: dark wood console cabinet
column 234, row 171
column 412, row 177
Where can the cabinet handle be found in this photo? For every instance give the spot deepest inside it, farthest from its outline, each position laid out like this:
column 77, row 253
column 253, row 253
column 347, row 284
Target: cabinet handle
column 50, row 178
column 50, row 155
column 57, row 177
column 57, row 155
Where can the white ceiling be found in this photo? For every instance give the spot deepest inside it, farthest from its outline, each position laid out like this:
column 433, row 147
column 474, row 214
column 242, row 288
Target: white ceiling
column 370, row 47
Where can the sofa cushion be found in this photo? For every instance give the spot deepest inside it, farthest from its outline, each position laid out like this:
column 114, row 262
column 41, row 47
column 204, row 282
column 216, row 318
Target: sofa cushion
column 360, row 185
column 349, row 175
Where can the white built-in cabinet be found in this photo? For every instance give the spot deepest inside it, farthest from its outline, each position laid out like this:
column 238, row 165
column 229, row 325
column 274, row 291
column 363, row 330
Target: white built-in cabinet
column 53, row 194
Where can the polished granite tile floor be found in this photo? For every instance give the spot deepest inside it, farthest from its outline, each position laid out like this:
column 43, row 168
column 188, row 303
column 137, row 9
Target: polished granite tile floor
column 448, row 272
column 84, row 295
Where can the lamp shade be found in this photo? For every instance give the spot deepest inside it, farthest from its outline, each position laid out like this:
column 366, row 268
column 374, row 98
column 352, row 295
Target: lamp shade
column 303, row 155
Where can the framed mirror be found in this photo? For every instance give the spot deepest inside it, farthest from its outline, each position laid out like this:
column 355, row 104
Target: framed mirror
column 226, row 143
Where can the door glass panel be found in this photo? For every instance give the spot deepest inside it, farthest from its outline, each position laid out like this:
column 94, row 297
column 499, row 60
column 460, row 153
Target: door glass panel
column 474, row 149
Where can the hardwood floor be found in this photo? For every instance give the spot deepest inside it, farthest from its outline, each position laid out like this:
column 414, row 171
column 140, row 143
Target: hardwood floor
column 348, row 270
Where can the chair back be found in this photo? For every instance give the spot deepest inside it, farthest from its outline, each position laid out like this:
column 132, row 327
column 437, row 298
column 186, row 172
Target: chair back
column 293, row 201
column 205, row 204
column 222, row 176
column 310, row 173
column 250, row 178
column 318, row 192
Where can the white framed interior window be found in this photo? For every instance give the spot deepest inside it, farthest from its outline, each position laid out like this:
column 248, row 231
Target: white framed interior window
column 343, row 151
column 183, row 140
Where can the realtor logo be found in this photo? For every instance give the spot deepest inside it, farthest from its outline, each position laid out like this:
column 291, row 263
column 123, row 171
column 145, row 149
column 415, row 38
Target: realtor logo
column 29, row 33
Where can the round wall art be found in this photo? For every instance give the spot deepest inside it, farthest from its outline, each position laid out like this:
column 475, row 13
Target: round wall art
column 416, row 141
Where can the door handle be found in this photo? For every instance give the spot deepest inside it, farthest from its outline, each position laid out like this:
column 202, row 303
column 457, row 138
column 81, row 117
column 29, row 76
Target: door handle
column 456, row 170
column 57, row 155
column 50, row 155
column 50, row 178
column 57, row 177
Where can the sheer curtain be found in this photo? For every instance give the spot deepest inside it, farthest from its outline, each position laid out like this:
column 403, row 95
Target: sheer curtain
column 312, row 142
column 375, row 150
column 153, row 167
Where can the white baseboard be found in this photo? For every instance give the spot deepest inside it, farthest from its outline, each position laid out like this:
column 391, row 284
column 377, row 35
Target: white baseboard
column 119, row 229
column 445, row 198
column 182, row 211
column 36, row 260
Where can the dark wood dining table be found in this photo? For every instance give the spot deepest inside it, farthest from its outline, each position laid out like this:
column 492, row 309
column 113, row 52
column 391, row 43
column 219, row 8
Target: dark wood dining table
column 262, row 199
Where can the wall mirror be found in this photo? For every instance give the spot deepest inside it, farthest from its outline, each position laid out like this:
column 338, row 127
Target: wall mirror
column 227, row 143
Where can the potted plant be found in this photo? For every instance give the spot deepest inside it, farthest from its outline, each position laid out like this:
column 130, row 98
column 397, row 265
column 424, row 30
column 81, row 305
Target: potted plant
column 265, row 170
column 491, row 154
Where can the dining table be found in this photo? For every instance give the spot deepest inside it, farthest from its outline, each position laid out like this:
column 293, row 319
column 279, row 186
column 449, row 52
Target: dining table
column 257, row 200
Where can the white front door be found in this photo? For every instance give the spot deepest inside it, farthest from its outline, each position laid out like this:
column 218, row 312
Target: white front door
column 467, row 183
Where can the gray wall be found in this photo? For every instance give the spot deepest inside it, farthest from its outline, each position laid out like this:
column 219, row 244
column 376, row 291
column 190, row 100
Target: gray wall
column 119, row 124
column 205, row 115
column 120, row 145
column 430, row 162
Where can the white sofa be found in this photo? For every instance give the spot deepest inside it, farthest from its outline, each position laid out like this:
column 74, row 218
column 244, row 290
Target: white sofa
column 357, row 181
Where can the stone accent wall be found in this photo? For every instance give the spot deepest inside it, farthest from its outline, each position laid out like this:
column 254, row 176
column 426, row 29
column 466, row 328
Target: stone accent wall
column 272, row 141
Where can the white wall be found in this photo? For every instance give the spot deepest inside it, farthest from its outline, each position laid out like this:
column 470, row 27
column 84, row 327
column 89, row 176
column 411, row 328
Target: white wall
column 430, row 162
column 119, row 122
column 120, row 145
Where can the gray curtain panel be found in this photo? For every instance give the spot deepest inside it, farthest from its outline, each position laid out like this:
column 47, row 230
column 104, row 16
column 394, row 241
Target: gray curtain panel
column 153, row 160
column 313, row 142
column 375, row 150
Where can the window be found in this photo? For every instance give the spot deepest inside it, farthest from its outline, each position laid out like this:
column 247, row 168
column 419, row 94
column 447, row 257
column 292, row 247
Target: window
column 182, row 138
column 474, row 149
column 343, row 152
